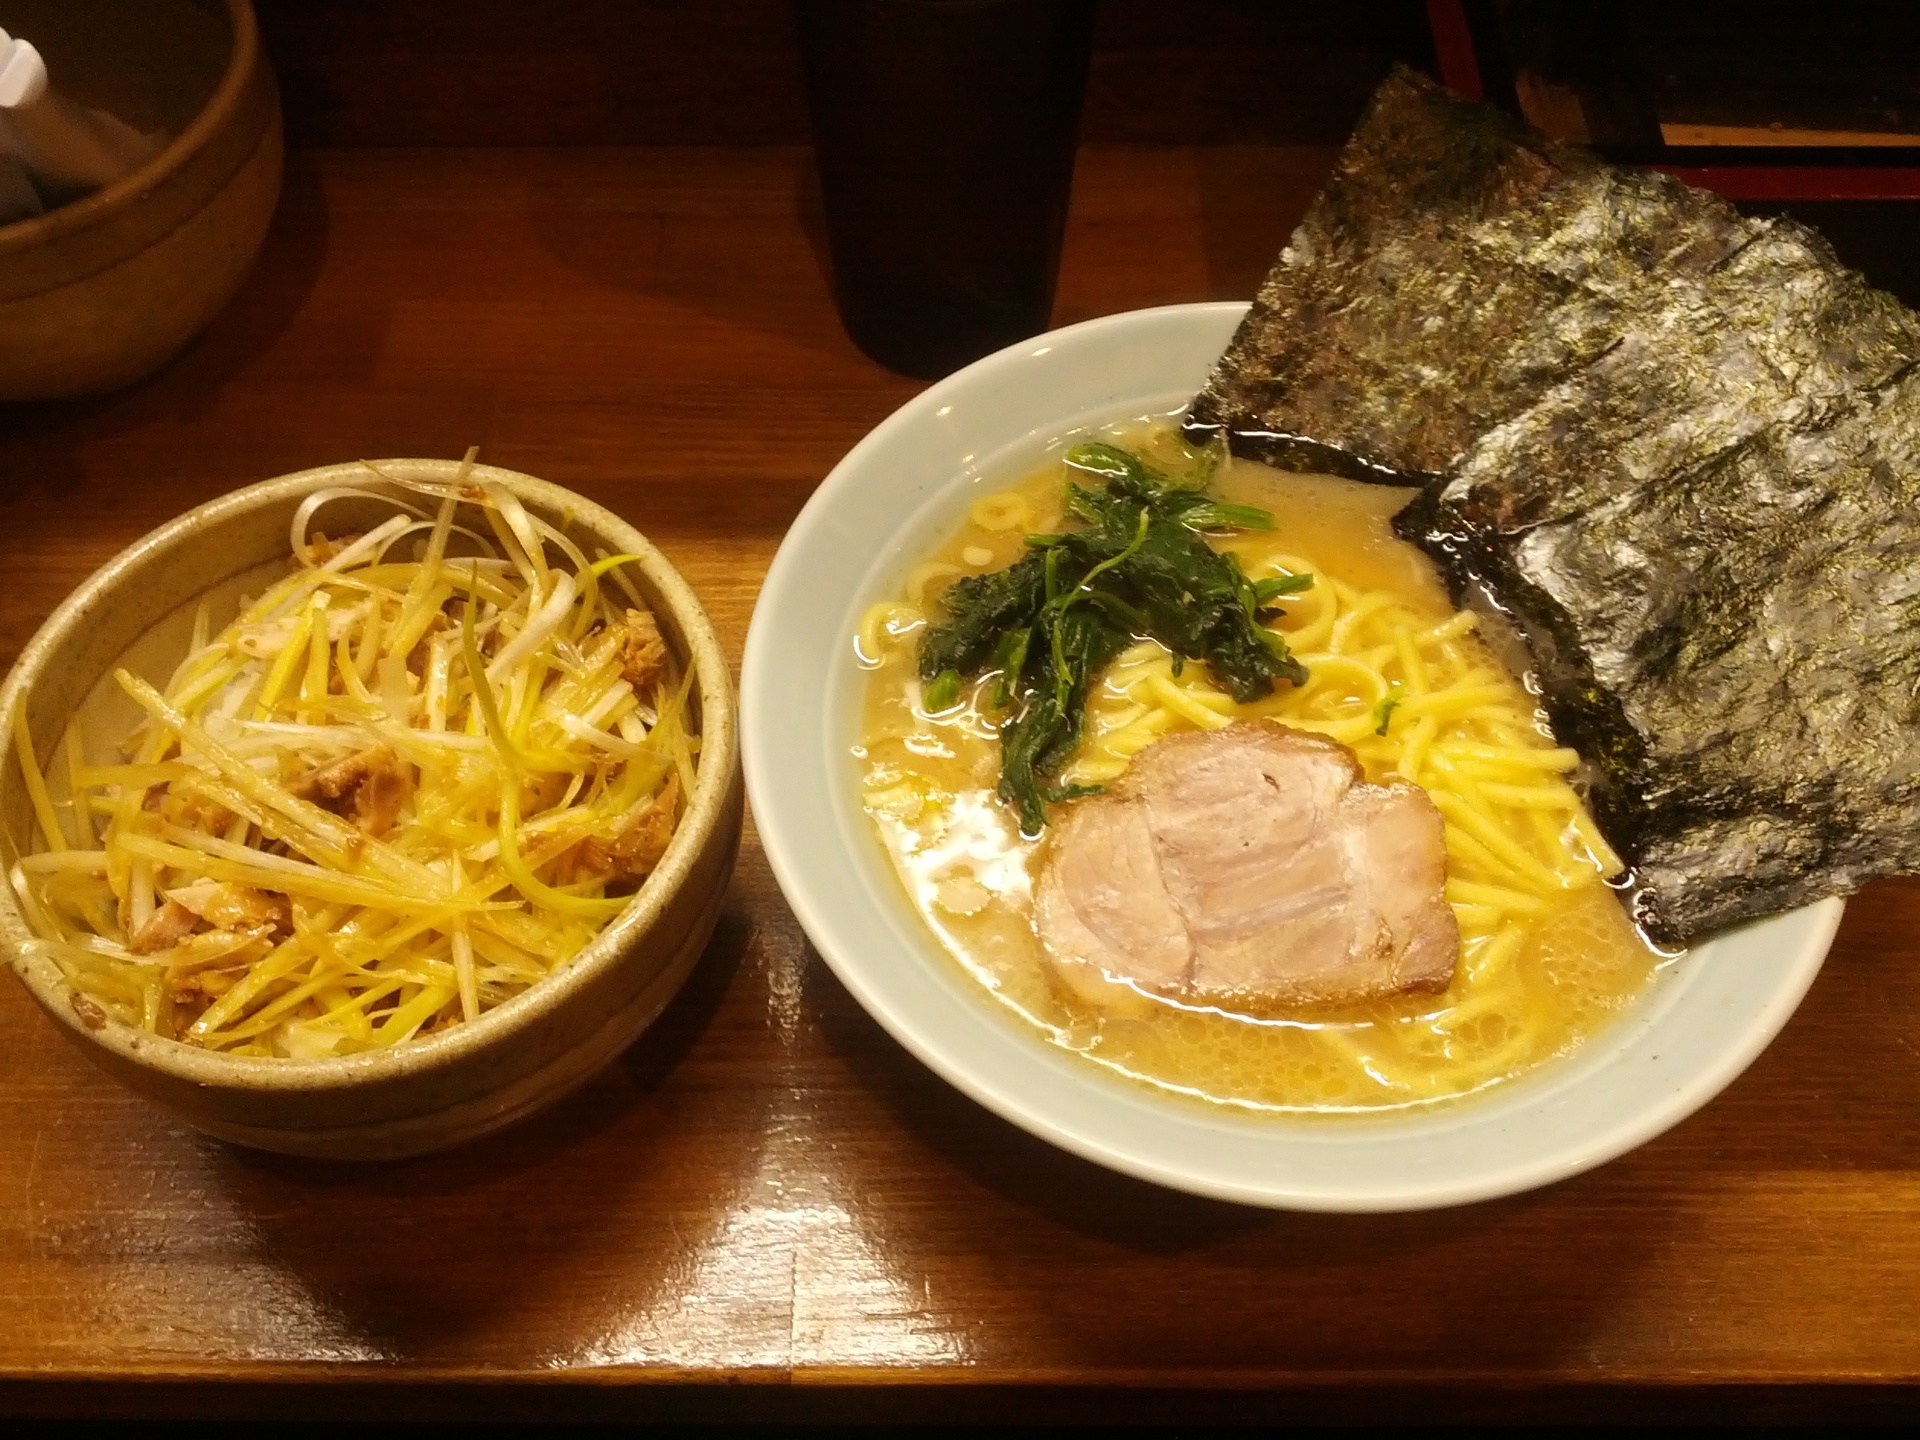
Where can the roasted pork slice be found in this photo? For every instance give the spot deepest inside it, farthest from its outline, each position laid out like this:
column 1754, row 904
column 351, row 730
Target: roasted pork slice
column 1249, row 868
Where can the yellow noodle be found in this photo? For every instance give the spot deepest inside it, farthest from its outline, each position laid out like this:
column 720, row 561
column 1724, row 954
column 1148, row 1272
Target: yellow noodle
column 1586, row 833
column 884, row 625
column 1499, row 897
column 1191, row 706
column 921, row 576
column 1466, row 854
column 1415, row 741
column 1007, row 510
column 1542, row 759
column 1500, row 840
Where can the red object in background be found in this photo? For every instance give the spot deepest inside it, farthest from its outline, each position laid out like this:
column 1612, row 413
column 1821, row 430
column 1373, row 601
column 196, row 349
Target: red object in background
column 1460, row 71
column 1453, row 47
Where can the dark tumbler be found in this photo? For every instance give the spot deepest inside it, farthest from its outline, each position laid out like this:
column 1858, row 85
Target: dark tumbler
column 945, row 132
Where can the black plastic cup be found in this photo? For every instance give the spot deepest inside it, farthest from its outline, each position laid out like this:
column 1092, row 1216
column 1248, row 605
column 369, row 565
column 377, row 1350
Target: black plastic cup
column 945, row 133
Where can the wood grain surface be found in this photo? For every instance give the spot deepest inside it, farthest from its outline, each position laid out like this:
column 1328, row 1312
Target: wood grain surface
column 767, row 1189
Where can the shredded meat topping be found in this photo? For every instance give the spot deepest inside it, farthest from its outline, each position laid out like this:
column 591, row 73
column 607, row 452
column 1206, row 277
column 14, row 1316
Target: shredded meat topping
column 238, row 915
column 201, row 984
column 165, row 928
column 368, row 788
column 640, row 842
column 224, row 905
column 189, row 809
column 643, row 653
column 323, row 549
column 208, row 964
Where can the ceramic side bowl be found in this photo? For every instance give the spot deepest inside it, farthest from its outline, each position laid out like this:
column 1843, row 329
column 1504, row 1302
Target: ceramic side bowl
column 441, row 1089
column 102, row 291
column 895, row 497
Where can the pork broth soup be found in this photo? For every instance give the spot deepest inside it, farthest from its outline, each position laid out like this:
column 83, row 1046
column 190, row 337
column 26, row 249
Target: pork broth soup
column 1547, row 955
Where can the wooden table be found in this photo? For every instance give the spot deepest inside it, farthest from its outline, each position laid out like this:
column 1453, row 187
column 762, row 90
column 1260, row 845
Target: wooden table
column 766, row 1189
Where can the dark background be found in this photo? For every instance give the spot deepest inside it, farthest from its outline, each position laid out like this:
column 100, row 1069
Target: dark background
column 727, row 72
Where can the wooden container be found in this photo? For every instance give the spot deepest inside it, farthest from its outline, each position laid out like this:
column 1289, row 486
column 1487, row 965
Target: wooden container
column 97, row 293
column 444, row 1088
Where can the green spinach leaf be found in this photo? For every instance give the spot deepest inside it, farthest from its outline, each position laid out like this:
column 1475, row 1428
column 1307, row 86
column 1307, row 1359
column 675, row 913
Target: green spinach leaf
column 1140, row 566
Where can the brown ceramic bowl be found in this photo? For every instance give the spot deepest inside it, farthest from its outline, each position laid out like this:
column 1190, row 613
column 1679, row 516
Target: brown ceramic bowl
column 99, row 292
column 441, row 1089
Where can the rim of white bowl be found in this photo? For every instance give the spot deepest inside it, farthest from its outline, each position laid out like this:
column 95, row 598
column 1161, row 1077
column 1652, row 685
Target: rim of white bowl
column 1702, row 1021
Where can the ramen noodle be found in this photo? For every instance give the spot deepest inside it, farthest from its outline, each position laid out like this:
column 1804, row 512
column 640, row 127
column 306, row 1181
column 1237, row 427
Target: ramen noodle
column 1394, row 672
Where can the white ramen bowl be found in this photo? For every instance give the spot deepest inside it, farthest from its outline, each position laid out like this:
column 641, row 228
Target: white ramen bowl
column 900, row 493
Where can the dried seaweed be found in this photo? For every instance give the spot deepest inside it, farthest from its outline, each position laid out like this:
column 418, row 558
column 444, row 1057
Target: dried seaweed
column 1673, row 444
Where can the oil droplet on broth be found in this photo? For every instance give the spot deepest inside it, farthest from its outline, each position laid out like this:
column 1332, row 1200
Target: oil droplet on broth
column 959, row 853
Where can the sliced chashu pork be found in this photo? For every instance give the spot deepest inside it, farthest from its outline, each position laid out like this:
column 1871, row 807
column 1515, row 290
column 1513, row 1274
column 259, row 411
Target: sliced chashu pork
column 1249, row 868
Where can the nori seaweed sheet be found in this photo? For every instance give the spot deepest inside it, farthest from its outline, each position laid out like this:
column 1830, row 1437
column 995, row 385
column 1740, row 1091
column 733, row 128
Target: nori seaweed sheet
column 1677, row 447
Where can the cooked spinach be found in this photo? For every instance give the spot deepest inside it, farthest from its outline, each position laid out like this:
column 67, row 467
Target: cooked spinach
column 1051, row 621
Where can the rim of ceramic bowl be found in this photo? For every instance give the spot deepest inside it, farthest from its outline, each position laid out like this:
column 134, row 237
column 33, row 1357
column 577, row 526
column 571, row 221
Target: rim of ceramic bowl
column 202, row 131
column 705, row 811
column 856, row 913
